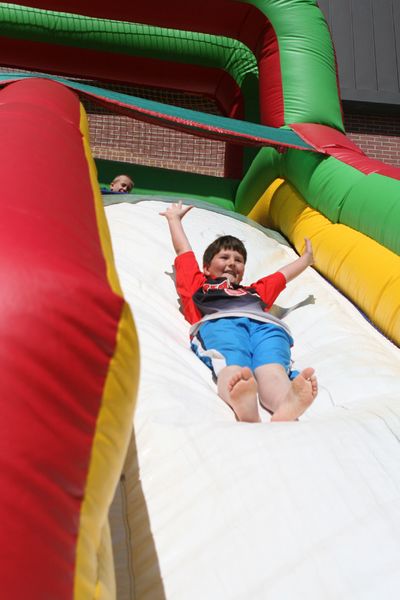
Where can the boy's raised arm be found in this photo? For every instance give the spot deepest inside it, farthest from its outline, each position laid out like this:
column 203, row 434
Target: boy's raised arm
column 174, row 215
column 296, row 267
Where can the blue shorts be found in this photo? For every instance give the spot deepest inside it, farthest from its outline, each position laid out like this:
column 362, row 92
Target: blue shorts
column 244, row 342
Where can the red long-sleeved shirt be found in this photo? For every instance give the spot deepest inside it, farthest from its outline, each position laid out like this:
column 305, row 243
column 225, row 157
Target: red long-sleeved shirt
column 202, row 296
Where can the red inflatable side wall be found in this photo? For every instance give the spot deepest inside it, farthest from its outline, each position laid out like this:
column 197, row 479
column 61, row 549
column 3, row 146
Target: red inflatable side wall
column 58, row 322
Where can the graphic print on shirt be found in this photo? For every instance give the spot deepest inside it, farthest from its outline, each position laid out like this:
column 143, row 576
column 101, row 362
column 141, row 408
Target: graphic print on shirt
column 224, row 285
column 219, row 295
column 216, row 286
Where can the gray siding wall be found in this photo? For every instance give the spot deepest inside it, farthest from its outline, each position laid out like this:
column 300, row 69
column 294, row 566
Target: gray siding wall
column 366, row 34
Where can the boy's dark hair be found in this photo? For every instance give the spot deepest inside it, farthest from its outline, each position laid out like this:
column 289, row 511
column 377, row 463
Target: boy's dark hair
column 225, row 242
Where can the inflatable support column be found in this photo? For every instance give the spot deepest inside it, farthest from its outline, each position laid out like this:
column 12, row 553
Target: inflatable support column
column 68, row 353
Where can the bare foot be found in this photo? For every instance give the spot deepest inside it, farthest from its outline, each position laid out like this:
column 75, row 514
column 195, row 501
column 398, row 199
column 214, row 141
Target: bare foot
column 303, row 390
column 242, row 389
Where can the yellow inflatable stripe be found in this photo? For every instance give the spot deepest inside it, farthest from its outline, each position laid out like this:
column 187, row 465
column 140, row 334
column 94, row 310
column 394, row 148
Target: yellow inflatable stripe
column 365, row 271
column 101, row 220
column 106, row 584
column 113, row 431
column 260, row 212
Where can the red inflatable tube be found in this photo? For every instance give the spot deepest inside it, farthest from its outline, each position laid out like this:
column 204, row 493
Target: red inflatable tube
column 59, row 322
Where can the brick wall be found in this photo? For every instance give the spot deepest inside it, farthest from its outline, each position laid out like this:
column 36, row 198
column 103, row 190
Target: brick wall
column 377, row 135
column 116, row 137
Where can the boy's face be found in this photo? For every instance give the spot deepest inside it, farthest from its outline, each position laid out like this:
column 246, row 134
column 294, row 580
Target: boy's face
column 122, row 185
column 227, row 263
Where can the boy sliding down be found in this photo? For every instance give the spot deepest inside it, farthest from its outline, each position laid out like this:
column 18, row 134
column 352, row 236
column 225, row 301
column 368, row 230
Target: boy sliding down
column 232, row 332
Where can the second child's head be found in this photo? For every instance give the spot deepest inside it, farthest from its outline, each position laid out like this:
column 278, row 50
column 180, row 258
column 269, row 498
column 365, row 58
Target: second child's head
column 122, row 184
column 225, row 257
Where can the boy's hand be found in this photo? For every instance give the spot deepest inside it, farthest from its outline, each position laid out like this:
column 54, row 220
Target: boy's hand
column 174, row 215
column 176, row 211
column 308, row 252
column 296, row 267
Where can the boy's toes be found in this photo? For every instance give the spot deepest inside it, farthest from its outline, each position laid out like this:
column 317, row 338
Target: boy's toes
column 246, row 373
column 314, row 385
column 307, row 373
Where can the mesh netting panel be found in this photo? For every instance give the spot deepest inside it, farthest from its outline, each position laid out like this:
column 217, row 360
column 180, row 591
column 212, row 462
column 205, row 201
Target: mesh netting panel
column 128, row 38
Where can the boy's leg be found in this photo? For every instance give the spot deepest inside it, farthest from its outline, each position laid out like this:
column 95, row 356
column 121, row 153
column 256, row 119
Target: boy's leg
column 229, row 339
column 285, row 399
column 238, row 388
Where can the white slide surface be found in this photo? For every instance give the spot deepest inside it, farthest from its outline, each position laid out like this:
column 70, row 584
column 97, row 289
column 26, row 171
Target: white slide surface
column 212, row 509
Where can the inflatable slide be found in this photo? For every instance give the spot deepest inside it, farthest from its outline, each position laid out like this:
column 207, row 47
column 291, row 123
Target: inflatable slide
column 181, row 501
